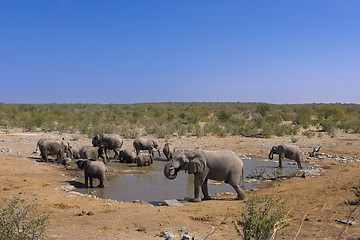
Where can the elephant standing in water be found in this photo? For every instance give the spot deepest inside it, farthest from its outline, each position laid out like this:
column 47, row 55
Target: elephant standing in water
column 167, row 152
column 109, row 142
column 221, row 165
column 142, row 143
column 286, row 151
column 93, row 169
column 127, row 156
column 144, row 159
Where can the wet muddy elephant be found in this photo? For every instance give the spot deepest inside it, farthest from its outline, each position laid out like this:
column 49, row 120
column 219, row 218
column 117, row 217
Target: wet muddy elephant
column 93, row 169
column 109, row 142
column 221, row 165
column 286, row 151
column 142, row 143
column 144, row 159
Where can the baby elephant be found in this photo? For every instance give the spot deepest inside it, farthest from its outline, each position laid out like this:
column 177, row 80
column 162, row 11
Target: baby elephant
column 93, row 169
column 127, row 156
column 144, row 159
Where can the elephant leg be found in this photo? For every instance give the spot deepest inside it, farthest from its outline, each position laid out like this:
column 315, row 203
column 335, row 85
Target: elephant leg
column 117, row 153
column 151, row 152
column 86, row 180
column 298, row 161
column 198, row 183
column 137, row 151
column 101, row 184
column 91, row 182
column 281, row 156
column 235, row 183
column 204, row 189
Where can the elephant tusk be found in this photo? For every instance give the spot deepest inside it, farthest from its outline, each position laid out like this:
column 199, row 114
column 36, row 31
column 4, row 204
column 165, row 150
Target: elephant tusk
column 171, row 168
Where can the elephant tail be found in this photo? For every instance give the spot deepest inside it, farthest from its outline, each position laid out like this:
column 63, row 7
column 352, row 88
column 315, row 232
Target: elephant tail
column 242, row 178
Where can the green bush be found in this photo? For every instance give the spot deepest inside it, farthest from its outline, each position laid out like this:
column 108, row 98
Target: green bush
column 261, row 218
column 20, row 221
column 356, row 192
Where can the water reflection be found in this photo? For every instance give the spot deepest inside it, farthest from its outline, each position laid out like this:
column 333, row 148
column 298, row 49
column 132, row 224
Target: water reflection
column 128, row 183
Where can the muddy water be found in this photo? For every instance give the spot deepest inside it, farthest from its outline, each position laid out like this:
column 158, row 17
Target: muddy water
column 126, row 182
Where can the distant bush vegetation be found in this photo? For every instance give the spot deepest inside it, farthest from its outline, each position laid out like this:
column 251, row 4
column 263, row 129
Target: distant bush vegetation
column 199, row 119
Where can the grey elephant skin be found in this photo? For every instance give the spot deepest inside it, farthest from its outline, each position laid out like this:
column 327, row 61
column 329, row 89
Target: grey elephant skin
column 109, row 142
column 74, row 152
column 142, row 143
column 144, row 159
column 127, row 156
column 93, row 169
column 167, row 152
column 48, row 147
column 222, row 165
column 286, row 151
column 88, row 152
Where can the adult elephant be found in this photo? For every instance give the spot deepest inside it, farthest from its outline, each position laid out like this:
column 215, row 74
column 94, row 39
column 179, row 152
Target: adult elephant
column 221, row 165
column 90, row 152
column 93, row 169
column 52, row 148
column 109, row 142
column 142, row 143
column 286, row 151
column 167, row 152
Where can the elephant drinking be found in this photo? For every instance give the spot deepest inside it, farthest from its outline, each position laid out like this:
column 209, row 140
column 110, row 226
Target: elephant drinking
column 221, row 165
column 286, row 151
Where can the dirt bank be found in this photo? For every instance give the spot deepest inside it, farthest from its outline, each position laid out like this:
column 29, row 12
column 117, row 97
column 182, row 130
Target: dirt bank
column 318, row 201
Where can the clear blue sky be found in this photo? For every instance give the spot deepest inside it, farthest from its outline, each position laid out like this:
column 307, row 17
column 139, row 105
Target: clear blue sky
column 131, row 51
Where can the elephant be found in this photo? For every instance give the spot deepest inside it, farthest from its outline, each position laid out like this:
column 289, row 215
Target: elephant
column 93, row 169
column 88, row 152
column 167, row 152
column 222, row 165
column 286, row 151
column 48, row 147
column 66, row 162
column 109, row 142
column 142, row 143
column 74, row 152
column 127, row 156
column 144, row 159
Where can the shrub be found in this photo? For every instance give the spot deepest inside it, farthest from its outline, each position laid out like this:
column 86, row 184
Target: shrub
column 19, row 220
column 260, row 219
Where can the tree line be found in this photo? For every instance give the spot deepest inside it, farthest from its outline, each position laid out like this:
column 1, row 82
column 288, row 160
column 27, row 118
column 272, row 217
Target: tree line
column 261, row 120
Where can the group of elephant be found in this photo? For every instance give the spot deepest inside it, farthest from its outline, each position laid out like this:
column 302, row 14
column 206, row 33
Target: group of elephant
column 221, row 165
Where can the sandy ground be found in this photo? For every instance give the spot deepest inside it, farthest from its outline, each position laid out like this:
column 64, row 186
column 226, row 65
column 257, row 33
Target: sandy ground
column 315, row 203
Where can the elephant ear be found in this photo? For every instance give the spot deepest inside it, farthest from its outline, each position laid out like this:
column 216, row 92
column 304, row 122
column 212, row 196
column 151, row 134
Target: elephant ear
column 81, row 163
column 197, row 164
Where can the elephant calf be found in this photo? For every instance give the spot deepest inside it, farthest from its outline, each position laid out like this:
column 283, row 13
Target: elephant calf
column 127, row 156
column 93, row 169
column 167, row 152
column 286, row 151
column 144, row 159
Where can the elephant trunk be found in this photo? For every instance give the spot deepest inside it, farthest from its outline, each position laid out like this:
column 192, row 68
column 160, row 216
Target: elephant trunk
column 159, row 151
column 271, row 155
column 170, row 171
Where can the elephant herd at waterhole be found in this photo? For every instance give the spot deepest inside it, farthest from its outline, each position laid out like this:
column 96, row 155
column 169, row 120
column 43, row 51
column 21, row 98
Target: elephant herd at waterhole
column 221, row 165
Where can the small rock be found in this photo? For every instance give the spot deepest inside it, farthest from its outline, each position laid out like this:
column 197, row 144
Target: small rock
column 173, row 202
column 351, row 223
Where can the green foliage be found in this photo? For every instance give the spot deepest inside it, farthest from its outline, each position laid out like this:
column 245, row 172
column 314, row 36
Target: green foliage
column 261, row 218
column 263, row 109
column 197, row 119
column 19, row 221
column 309, row 133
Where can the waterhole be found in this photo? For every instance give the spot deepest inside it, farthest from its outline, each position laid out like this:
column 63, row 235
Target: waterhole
column 126, row 182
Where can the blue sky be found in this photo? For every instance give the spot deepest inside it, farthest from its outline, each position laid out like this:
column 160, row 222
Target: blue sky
column 133, row 51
